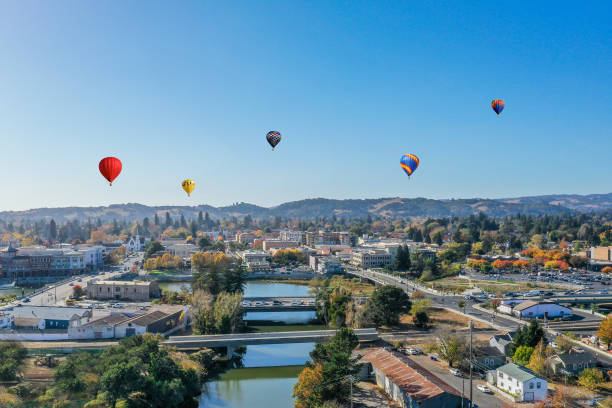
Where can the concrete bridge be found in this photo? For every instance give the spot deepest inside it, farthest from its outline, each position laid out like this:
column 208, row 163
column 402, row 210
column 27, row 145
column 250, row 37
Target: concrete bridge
column 230, row 341
column 279, row 304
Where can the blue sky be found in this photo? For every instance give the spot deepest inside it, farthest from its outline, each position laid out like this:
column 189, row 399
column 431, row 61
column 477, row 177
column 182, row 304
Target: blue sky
column 189, row 89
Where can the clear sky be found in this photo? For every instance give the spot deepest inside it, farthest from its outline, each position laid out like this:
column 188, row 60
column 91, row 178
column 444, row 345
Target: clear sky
column 188, row 89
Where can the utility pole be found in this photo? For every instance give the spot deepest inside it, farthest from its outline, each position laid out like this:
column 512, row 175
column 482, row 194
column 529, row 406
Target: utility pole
column 471, row 326
column 351, row 382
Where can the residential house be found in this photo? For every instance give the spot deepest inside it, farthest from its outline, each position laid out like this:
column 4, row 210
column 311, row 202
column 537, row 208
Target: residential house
column 520, row 382
column 502, row 342
column 409, row 384
column 571, row 363
column 488, row 358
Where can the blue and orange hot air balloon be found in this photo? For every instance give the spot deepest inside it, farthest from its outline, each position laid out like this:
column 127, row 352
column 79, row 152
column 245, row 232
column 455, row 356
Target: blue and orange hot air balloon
column 498, row 105
column 409, row 163
column 273, row 137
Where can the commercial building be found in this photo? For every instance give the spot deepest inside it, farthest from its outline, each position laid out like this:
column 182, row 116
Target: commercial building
column 124, row 290
column 49, row 317
column 40, row 263
column 325, row 265
column 154, row 322
column 409, row 384
column 533, row 309
column 290, row 235
column 372, row 258
column 601, row 253
column 520, row 382
column 269, row 244
column 327, row 238
column 103, row 328
column 183, row 250
column 246, row 237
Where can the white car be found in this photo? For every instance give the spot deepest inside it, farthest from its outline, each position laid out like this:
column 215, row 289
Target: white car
column 414, row 351
column 484, row 389
column 455, row 372
column 554, row 345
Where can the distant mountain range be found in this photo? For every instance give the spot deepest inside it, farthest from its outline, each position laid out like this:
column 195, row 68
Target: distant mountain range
column 318, row 207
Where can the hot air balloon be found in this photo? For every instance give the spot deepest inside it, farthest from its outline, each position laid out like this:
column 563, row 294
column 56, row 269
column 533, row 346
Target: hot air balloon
column 273, row 138
column 110, row 167
column 409, row 163
column 498, row 105
column 188, row 186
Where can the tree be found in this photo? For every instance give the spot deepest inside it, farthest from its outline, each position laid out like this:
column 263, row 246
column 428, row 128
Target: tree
column 52, row 230
column 420, row 305
column 331, row 381
column 591, row 378
column 522, row 355
column 77, row 292
column 386, row 305
column 538, row 362
column 306, row 389
column 153, row 247
column 11, row 357
column 451, row 349
column 421, row 319
column 605, row 330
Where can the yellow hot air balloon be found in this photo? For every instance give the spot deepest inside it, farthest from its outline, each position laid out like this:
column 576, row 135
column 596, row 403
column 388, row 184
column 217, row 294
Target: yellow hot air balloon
column 188, row 186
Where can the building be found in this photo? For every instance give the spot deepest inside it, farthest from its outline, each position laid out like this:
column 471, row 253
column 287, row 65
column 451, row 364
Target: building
column 156, row 321
column 103, row 328
column 246, row 237
column 135, row 243
column 125, row 290
column 313, row 239
column 289, row 235
column 6, row 320
column 409, row 384
column 269, row 244
column 530, row 309
column 502, row 342
column 93, row 256
column 325, row 265
column 49, row 317
column 601, row 253
column 488, row 358
column 40, row 263
column 373, row 258
column 183, row 250
column 520, row 382
column 571, row 363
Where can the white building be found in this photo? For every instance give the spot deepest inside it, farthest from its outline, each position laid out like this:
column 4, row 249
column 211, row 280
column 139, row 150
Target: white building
column 93, row 256
column 532, row 309
column 183, row 250
column 135, row 243
column 522, row 383
column 372, row 258
column 6, row 321
column 289, row 235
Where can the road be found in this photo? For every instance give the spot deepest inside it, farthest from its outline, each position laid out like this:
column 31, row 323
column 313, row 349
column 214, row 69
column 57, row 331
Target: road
column 56, row 294
column 451, row 302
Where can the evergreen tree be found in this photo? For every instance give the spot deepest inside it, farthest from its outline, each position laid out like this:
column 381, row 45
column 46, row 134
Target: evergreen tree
column 52, row 230
column 156, row 219
column 200, row 218
column 168, row 220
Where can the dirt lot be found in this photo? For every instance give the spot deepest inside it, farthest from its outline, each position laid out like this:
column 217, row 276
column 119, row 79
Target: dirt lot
column 458, row 285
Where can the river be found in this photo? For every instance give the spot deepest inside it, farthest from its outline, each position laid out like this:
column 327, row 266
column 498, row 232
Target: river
column 270, row 371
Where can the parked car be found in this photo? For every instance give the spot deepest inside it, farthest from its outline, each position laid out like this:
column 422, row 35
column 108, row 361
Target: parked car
column 414, row 351
column 484, row 389
column 455, row 372
column 432, row 357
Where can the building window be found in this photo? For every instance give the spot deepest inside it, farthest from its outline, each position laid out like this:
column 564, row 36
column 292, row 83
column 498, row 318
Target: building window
column 531, row 386
column 539, row 385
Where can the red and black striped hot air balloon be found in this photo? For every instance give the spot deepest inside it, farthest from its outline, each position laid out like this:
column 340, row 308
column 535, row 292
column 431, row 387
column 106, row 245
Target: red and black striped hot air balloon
column 110, row 167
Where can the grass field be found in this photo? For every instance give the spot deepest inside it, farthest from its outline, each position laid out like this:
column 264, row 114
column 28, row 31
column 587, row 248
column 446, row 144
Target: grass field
column 459, row 285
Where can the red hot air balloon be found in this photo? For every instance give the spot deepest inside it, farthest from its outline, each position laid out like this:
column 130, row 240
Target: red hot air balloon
column 110, row 167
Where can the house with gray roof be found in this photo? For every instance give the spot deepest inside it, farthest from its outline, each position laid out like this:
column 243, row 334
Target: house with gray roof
column 50, row 317
column 520, row 382
column 571, row 363
column 502, row 342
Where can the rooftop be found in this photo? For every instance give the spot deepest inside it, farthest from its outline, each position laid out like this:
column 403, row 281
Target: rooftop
column 110, row 320
column 49, row 312
column 122, row 283
column 148, row 318
column 529, row 303
column 520, row 373
column 415, row 380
